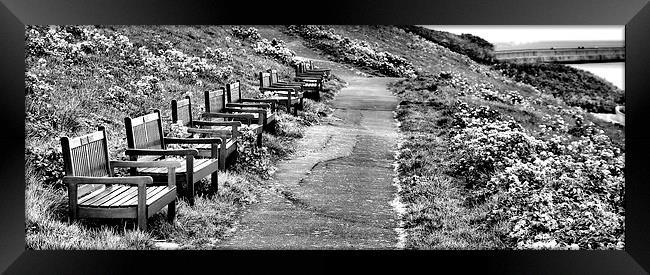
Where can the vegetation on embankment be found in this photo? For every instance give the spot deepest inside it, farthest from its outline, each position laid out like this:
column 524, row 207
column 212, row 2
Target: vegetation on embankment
column 80, row 77
column 476, row 48
column 489, row 162
column 492, row 169
column 575, row 87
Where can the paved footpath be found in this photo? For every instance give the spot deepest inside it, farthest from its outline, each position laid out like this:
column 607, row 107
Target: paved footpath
column 336, row 192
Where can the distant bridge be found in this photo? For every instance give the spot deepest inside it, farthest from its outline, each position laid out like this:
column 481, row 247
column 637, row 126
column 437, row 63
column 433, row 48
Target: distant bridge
column 563, row 55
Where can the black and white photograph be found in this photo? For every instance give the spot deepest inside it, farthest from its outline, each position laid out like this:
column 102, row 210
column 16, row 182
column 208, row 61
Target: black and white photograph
column 325, row 137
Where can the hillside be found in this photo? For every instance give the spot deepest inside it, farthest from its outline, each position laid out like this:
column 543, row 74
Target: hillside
column 80, row 77
column 485, row 162
column 488, row 162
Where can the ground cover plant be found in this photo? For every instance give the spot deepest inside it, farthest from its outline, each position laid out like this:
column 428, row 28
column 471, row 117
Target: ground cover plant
column 80, row 77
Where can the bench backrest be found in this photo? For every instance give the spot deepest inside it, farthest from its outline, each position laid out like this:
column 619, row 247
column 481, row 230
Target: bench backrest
column 145, row 132
column 265, row 79
column 301, row 67
column 233, row 91
column 274, row 75
column 215, row 101
column 86, row 156
column 182, row 110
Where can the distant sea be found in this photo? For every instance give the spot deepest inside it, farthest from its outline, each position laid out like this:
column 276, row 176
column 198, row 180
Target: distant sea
column 613, row 72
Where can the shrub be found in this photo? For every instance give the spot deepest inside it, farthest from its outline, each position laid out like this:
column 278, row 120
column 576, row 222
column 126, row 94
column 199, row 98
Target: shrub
column 355, row 52
column 472, row 46
column 47, row 165
column 573, row 86
column 554, row 192
column 288, row 126
column 275, row 49
column 279, row 147
column 251, row 158
column 249, row 33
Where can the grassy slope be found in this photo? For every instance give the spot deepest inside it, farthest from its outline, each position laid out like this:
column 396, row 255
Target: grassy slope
column 68, row 94
column 439, row 213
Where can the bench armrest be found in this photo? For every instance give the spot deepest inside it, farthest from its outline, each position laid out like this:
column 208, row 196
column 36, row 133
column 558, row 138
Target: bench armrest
column 224, row 115
column 287, row 84
column 276, row 88
column 161, row 152
column 217, row 123
column 171, row 167
column 296, row 83
column 175, row 140
column 144, row 164
column 73, row 181
column 273, row 102
column 308, row 78
column 254, row 105
column 233, row 124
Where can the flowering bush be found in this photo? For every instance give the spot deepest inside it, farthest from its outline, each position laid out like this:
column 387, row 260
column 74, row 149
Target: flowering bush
column 73, row 43
column 135, row 97
column 554, row 191
column 275, row 49
column 189, row 68
column 48, row 163
column 355, row 52
column 246, row 33
column 218, row 54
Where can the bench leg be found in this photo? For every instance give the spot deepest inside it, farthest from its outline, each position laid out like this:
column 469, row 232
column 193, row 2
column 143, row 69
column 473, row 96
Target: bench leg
column 259, row 139
column 189, row 179
column 142, row 208
column 222, row 160
column 214, row 183
column 72, row 202
column 171, row 211
column 288, row 106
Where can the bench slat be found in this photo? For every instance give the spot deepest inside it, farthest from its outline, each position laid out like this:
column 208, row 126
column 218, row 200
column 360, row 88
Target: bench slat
column 96, row 196
column 106, row 195
column 150, row 192
column 130, row 195
column 114, row 199
column 129, row 198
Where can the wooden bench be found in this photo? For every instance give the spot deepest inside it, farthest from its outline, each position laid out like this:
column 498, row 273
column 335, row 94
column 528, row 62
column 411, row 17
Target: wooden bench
column 145, row 139
column 311, row 68
column 94, row 192
column 255, row 118
column 310, row 89
column 290, row 96
column 234, row 100
column 228, row 131
column 304, row 73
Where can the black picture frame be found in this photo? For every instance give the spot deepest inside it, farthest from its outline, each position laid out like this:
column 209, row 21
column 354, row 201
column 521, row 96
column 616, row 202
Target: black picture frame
column 635, row 15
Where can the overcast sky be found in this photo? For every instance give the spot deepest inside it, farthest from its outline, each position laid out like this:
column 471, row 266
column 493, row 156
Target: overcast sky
column 525, row 34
